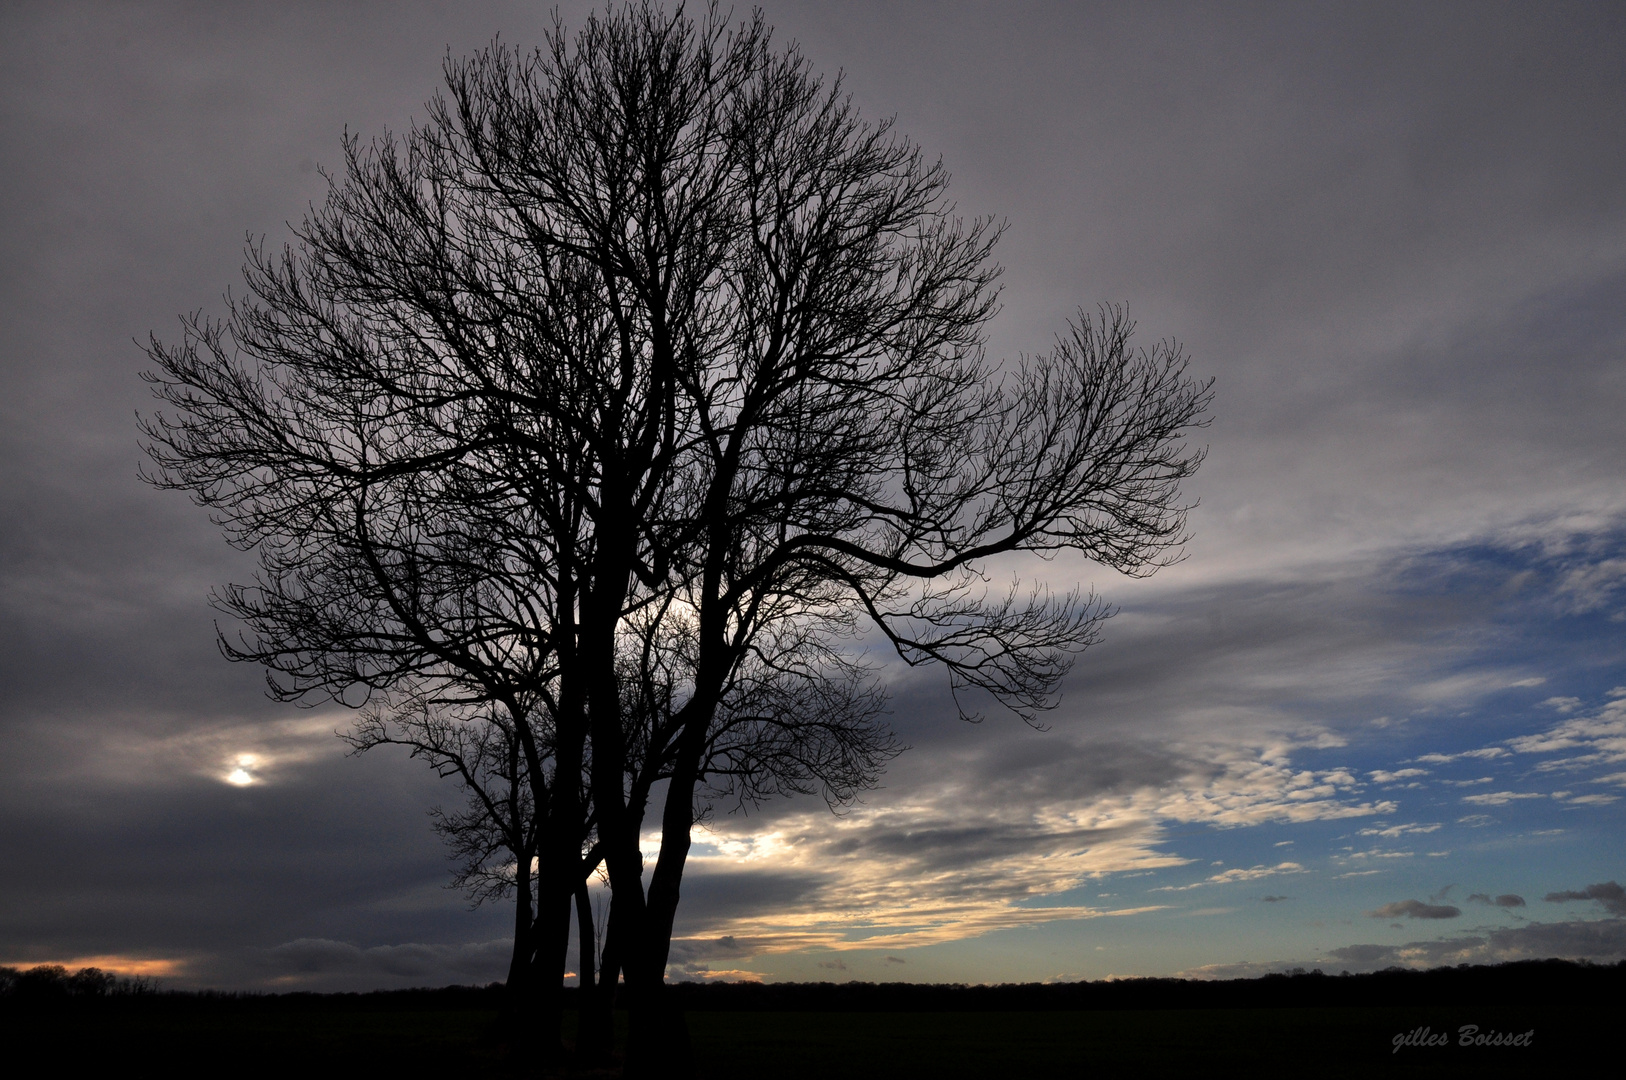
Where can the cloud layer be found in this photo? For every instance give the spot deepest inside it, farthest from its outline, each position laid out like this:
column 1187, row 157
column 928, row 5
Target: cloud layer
column 1394, row 661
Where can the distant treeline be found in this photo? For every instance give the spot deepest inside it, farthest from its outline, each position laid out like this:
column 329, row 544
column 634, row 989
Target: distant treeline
column 1524, row 982
column 1517, row 983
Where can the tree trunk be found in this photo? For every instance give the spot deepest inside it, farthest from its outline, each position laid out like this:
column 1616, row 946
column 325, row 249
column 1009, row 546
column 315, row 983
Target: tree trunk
column 596, row 1019
column 553, row 949
column 551, row 938
column 617, row 826
column 585, row 965
column 584, row 938
column 659, row 1037
column 519, row 1015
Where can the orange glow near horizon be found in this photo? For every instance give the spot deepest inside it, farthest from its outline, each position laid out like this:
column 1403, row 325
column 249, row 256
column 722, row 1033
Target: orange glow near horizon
column 117, row 965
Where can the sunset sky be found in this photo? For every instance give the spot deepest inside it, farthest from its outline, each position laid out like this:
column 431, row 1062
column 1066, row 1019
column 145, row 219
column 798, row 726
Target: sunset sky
column 1377, row 716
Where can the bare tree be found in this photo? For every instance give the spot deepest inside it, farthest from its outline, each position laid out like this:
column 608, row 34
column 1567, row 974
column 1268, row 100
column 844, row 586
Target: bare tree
column 414, row 418
column 620, row 398
column 815, row 436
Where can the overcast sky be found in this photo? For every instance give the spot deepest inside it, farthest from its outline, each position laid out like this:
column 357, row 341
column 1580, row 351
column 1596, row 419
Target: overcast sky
column 1377, row 716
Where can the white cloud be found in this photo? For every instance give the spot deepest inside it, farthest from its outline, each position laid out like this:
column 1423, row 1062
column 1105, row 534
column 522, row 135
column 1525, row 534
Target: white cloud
column 1394, row 832
column 1602, row 735
column 958, row 855
column 1501, row 798
column 233, row 752
column 1375, row 853
column 1236, row 874
column 1251, row 788
column 1380, row 776
column 1592, row 585
column 1484, row 753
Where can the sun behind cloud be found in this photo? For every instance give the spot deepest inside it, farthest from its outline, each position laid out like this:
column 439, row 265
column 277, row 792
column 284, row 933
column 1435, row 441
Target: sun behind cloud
column 240, row 775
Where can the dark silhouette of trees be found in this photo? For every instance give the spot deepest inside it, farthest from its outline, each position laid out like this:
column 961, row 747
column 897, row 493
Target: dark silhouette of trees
column 47, row 984
column 590, row 425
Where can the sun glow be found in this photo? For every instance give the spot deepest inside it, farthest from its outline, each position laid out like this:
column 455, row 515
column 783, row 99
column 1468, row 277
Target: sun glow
column 241, row 776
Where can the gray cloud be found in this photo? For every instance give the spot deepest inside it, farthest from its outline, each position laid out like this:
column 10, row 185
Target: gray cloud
column 332, row 965
column 190, row 870
column 1396, row 237
column 1367, row 954
column 1608, row 893
column 1600, row 941
column 1415, row 909
column 1505, row 900
column 935, row 845
column 711, row 896
column 1244, row 969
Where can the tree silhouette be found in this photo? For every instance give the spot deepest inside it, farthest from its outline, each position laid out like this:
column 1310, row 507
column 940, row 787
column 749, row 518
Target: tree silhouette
column 608, row 409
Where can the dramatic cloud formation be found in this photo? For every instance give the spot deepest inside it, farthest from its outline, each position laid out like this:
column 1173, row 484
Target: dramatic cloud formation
column 1394, row 660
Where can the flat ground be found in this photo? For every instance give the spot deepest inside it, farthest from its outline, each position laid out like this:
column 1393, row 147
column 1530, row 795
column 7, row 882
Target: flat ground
column 247, row 1039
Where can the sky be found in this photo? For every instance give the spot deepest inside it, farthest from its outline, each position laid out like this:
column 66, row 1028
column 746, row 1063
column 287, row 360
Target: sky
column 1377, row 715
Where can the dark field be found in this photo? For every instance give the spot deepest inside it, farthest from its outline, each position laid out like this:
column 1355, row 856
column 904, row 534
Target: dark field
column 455, row 1033
column 1175, row 1042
